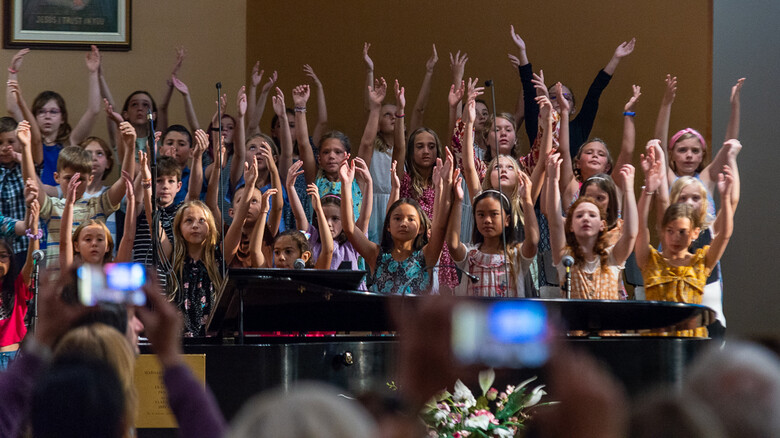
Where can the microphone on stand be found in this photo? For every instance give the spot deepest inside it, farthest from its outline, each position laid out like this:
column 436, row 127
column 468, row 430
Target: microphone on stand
column 38, row 255
column 299, row 264
column 568, row 261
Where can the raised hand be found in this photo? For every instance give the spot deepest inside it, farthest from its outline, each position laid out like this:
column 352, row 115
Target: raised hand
column 554, row 166
column 395, row 183
column 257, row 74
column 265, row 200
column 516, row 38
column 735, row 91
column 671, row 90
column 201, row 143
column 377, row 93
column 524, row 187
column 30, row 192
column 250, row 172
column 146, row 173
column 241, row 101
column 541, row 88
column 73, row 185
column 268, row 156
column 470, row 113
column 447, row 167
column 367, row 59
column 457, row 187
column 514, row 60
column 129, row 192
column 313, row 191
column 725, row 181
column 648, row 159
column 400, row 97
column 181, row 52
column 301, row 95
column 128, row 134
column 458, row 64
column 362, row 172
column 431, row 63
column 180, row 86
column 111, row 114
column 632, row 102
column 293, row 173
column 347, row 173
column 278, row 102
column 23, row 134
column 16, row 61
column 93, row 59
column 271, row 82
column 33, row 218
column 625, row 48
column 545, row 107
column 563, row 103
column 310, row 73
column 627, row 173
column 456, row 94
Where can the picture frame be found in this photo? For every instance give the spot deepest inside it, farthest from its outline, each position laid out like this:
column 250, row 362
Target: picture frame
column 67, row 24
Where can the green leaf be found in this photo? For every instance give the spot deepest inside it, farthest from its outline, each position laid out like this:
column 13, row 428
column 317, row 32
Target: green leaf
column 486, row 379
column 514, row 403
column 482, row 403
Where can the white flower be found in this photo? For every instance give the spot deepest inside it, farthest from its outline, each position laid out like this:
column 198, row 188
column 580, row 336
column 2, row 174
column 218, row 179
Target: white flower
column 486, row 379
column 479, row 421
column 536, row 396
column 503, row 433
column 441, row 416
column 463, row 394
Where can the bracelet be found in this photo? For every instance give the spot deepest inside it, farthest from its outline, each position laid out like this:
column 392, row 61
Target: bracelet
column 300, row 109
column 629, row 113
column 146, row 185
column 146, row 180
column 646, row 192
column 399, row 116
column 28, row 233
column 12, row 71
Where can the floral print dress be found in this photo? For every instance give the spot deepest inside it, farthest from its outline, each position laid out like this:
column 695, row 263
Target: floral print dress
column 403, row 277
column 196, row 295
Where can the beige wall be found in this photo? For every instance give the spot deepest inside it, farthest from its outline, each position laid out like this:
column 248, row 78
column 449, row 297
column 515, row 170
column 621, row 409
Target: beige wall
column 213, row 31
column 570, row 47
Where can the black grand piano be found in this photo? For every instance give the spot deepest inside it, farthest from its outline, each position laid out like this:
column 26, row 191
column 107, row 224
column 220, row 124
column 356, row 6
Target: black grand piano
column 271, row 324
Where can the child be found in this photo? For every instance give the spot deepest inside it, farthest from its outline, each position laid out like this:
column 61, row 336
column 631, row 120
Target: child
column 197, row 265
column 262, row 149
column 52, row 119
column 486, row 257
column 178, row 138
column 331, row 207
column 15, row 289
column 401, row 263
column 595, row 273
column 12, row 203
column 102, row 165
column 74, row 160
column 92, row 242
column 676, row 274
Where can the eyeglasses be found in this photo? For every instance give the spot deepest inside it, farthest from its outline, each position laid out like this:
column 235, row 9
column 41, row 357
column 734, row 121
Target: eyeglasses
column 51, row 112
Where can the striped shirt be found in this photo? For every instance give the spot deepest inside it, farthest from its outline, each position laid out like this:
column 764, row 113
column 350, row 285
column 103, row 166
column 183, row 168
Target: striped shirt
column 142, row 244
column 83, row 210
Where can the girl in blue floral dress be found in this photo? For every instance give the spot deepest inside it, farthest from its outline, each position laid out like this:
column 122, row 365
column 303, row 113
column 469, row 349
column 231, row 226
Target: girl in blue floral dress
column 411, row 244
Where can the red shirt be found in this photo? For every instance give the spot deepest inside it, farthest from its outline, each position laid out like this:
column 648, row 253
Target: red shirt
column 12, row 329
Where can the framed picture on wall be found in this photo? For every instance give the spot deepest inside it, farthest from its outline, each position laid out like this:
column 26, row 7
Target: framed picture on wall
column 67, row 24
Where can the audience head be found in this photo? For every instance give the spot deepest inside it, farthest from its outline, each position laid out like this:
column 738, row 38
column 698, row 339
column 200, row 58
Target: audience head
column 289, row 246
column 137, row 106
column 687, row 151
column 504, row 123
column 308, row 410
column 602, row 189
column 8, row 141
column 592, row 158
column 490, row 208
column 669, row 414
column 741, row 384
column 52, row 116
column 334, row 149
column 93, row 242
column 689, row 190
column 405, row 221
column 102, row 156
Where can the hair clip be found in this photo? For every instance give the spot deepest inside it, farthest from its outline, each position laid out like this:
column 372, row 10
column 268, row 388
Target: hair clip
column 493, row 191
column 331, row 195
column 682, row 132
column 306, row 234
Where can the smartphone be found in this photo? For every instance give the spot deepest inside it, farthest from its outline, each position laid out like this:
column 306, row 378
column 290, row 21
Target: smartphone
column 503, row 334
column 118, row 283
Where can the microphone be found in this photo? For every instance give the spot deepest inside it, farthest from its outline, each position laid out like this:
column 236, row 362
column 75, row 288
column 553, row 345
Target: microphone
column 568, row 261
column 38, row 255
column 219, row 85
column 299, row 264
column 474, row 278
column 489, row 83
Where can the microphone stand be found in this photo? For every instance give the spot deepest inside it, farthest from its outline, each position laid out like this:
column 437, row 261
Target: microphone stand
column 220, row 190
column 489, row 83
column 152, row 160
column 35, row 273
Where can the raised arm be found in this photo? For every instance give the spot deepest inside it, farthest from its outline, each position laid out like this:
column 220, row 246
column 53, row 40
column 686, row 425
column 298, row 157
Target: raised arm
column 117, row 190
column 300, row 97
column 531, row 226
column 212, row 190
column 124, row 253
column 322, row 107
column 399, row 150
column 395, row 186
column 654, row 175
column 66, row 223
column 257, row 76
column 257, row 113
column 376, row 95
column 28, row 168
column 285, row 137
column 664, row 115
column 537, row 175
column 724, row 221
column 233, row 235
column 196, row 169
column 301, row 221
column 369, row 73
column 520, row 105
column 443, row 175
column 366, row 185
column 32, row 219
column 553, row 212
column 425, row 92
column 189, row 109
column 625, row 245
column 624, row 49
column 626, row 155
column 366, row 248
column 11, row 103
column 84, row 126
column 326, row 240
column 35, row 133
column 276, row 182
column 454, row 97
column 530, row 108
column 162, row 106
column 467, row 162
column 256, row 254
column 239, row 140
column 452, row 236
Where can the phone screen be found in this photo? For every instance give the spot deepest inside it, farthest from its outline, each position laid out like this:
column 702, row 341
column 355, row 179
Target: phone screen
column 502, row 334
column 118, row 283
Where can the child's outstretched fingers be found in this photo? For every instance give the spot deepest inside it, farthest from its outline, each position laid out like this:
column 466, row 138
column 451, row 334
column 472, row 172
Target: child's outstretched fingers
column 725, row 181
column 313, row 191
column 265, row 200
column 735, row 91
column 73, row 185
column 637, row 91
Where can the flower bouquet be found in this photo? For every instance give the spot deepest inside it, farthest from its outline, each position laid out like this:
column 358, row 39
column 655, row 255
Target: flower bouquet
column 493, row 414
